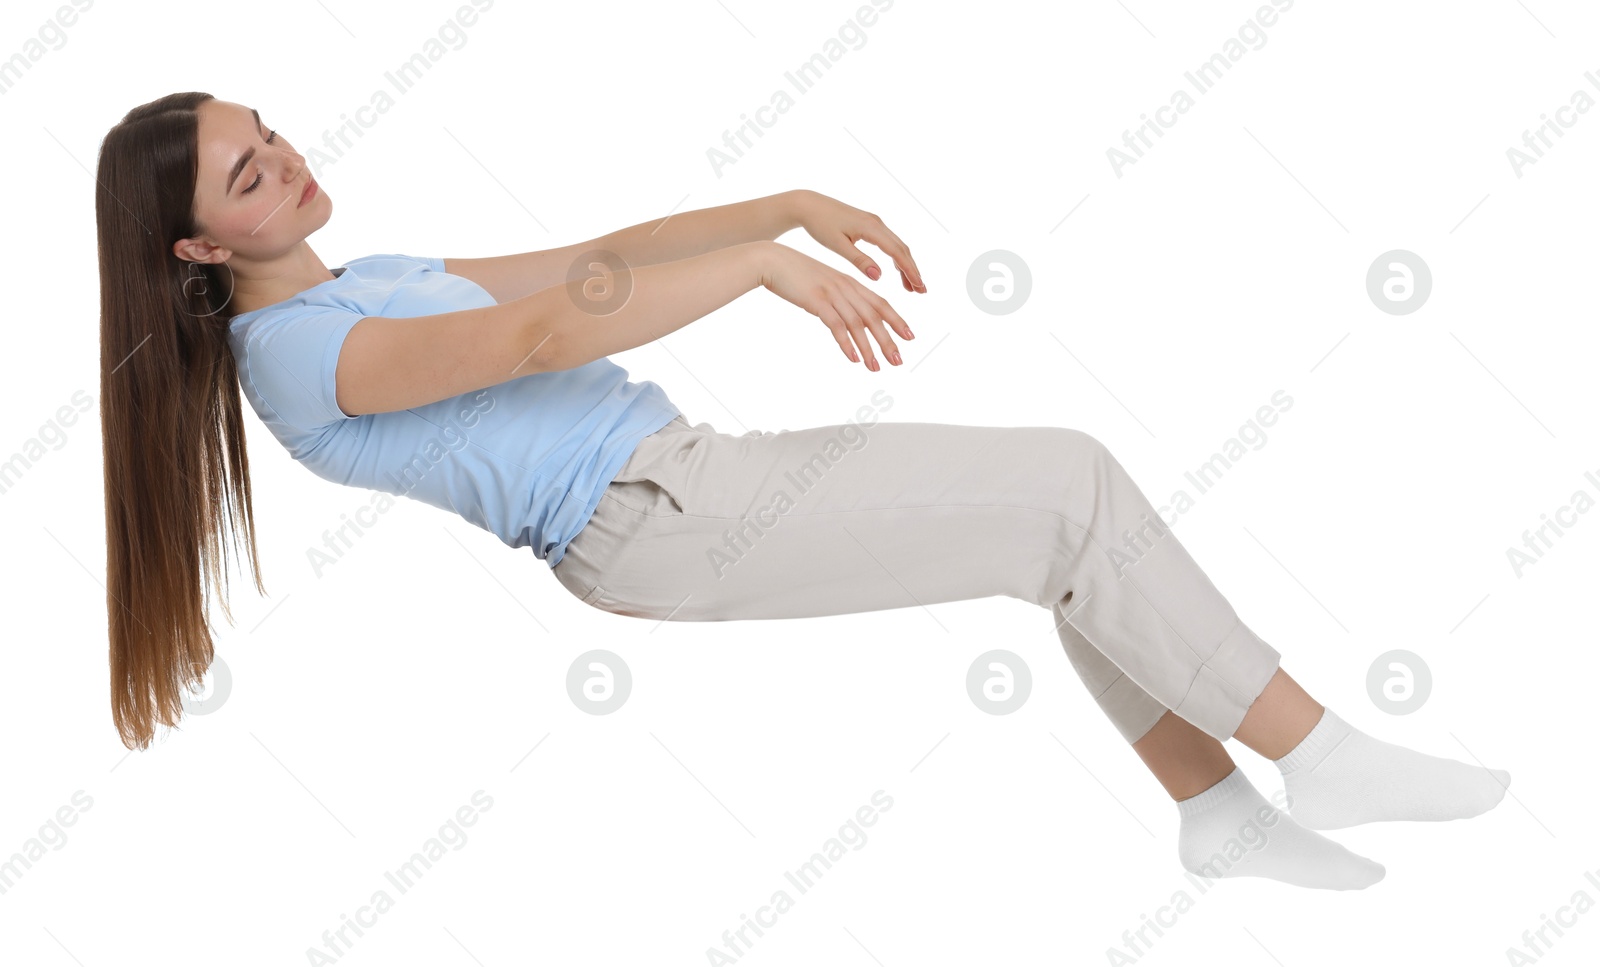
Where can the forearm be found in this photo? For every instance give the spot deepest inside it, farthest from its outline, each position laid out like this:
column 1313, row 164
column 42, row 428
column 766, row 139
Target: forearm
column 664, row 297
column 686, row 234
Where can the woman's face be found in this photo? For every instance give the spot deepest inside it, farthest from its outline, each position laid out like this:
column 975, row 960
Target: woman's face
column 248, row 193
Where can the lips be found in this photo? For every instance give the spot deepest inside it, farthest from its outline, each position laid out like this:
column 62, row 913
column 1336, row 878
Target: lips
column 310, row 189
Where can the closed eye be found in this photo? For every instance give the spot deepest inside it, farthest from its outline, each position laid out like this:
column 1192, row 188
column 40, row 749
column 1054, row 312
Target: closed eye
column 271, row 137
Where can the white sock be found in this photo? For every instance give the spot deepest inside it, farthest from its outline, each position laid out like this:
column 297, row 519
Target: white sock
column 1231, row 830
column 1339, row 776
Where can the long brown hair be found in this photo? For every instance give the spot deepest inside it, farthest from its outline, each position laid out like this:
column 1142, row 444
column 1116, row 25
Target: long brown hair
column 170, row 418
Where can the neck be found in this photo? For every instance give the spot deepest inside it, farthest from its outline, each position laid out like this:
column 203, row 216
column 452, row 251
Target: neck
column 249, row 297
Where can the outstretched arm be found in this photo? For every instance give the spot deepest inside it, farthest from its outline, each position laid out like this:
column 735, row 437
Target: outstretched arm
column 677, row 236
column 685, row 234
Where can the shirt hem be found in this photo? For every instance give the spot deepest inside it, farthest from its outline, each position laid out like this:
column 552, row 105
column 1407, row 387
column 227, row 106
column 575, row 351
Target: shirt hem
column 609, row 473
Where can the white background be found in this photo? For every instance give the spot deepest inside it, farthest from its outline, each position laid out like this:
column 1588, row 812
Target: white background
column 1229, row 263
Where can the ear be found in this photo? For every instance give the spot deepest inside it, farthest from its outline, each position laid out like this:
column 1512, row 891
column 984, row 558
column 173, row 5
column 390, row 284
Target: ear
column 199, row 250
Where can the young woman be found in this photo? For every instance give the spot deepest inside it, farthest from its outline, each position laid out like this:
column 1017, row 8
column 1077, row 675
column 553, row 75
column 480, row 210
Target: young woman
column 482, row 386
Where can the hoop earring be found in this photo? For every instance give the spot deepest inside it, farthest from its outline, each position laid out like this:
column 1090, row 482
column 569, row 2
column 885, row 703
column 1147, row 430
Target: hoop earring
column 196, row 274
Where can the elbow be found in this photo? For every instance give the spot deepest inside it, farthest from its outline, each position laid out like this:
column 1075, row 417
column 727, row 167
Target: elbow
column 540, row 349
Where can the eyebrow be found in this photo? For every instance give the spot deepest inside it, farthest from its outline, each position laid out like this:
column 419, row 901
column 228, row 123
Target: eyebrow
column 244, row 159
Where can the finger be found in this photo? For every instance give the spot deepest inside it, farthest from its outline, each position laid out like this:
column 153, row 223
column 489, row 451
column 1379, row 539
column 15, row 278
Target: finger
column 897, row 250
column 844, row 246
column 838, row 328
column 870, row 314
column 881, row 309
column 901, row 253
column 858, row 328
column 902, row 259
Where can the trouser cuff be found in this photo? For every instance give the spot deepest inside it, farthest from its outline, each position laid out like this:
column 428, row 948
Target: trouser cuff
column 1131, row 709
column 1228, row 683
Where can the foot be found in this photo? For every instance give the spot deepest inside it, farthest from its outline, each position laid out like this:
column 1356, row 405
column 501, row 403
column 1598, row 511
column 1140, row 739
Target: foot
column 1231, row 830
column 1339, row 776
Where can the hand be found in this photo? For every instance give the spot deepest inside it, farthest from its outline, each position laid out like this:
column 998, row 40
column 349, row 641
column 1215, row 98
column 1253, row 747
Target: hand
column 838, row 226
column 848, row 308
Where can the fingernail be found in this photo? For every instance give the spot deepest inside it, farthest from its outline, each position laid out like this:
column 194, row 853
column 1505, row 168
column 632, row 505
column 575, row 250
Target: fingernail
column 894, row 358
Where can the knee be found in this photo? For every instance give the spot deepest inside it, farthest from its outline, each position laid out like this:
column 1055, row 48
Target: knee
column 1083, row 439
column 1084, row 461
column 1080, row 447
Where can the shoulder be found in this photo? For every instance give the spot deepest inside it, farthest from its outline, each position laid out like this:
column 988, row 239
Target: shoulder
column 286, row 363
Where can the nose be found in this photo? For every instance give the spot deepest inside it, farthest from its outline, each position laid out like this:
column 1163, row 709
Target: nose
column 293, row 163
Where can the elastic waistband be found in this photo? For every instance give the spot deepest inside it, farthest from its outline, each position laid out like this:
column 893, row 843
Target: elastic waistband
column 674, row 425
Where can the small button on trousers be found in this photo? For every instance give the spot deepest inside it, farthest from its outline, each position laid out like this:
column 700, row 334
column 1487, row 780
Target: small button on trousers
column 700, row 525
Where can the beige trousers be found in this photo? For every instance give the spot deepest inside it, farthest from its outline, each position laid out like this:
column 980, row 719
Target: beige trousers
column 706, row 526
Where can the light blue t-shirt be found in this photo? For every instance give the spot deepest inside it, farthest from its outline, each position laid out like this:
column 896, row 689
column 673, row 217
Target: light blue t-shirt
column 527, row 459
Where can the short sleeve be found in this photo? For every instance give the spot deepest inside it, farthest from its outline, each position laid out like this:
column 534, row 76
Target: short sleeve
column 291, row 361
